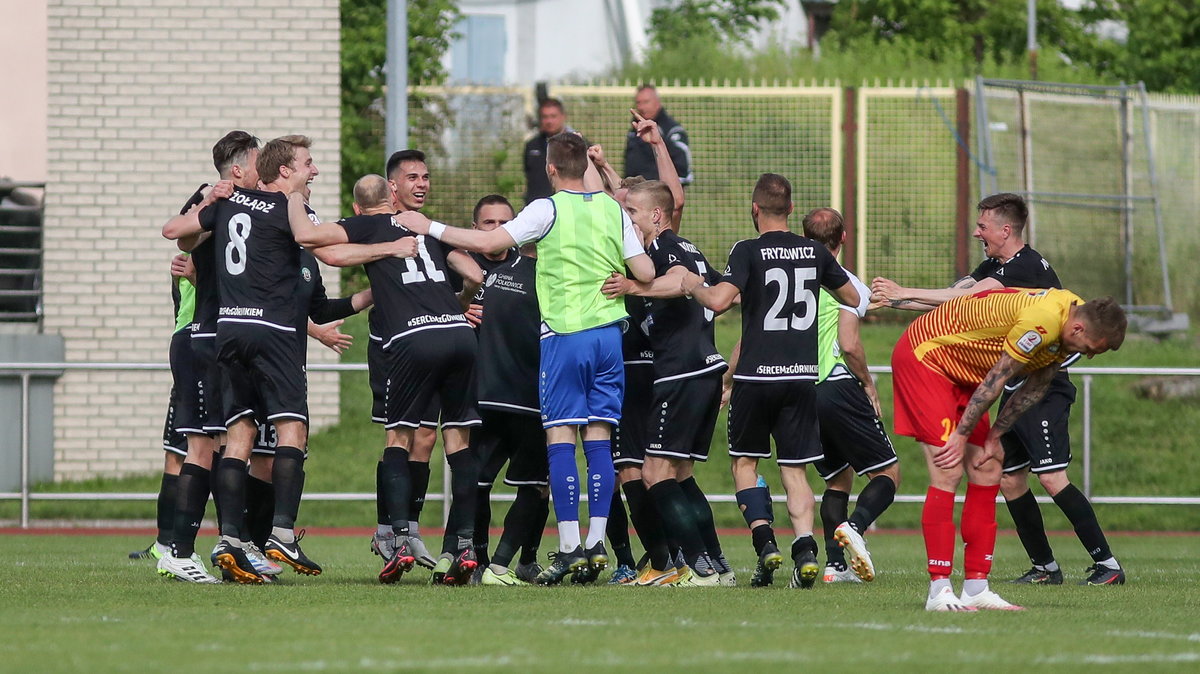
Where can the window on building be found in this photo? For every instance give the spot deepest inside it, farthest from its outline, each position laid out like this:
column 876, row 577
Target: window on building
column 477, row 57
column 20, row 251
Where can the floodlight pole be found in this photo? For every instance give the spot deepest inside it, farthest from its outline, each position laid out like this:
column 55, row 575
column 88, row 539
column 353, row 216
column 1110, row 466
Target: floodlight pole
column 1031, row 37
column 397, row 76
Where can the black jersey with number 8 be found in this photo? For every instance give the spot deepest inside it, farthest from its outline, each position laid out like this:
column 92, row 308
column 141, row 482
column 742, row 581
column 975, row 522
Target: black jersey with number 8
column 257, row 259
column 780, row 274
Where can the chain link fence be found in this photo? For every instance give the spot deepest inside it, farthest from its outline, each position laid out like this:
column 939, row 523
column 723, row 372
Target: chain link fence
column 890, row 157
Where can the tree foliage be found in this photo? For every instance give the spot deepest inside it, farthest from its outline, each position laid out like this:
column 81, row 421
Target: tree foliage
column 1160, row 47
column 364, row 55
column 709, row 21
column 967, row 32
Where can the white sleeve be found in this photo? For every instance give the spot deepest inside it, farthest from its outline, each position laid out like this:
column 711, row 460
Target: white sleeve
column 864, row 295
column 633, row 243
column 532, row 223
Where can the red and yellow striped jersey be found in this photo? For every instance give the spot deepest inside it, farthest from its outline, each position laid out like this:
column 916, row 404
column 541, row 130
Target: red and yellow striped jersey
column 963, row 338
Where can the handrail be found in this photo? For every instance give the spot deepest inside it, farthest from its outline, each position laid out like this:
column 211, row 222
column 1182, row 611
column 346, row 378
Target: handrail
column 26, row 371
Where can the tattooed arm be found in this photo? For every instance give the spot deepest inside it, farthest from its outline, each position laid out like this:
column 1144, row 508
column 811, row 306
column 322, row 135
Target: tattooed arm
column 887, row 293
column 950, row 455
column 1033, row 390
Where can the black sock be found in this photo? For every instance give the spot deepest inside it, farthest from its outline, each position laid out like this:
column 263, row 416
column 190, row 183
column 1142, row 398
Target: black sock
column 231, row 485
column 804, row 543
column 212, row 482
column 1077, row 509
column 288, row 478
column 418, row 477
column 381, row 514
column 521, row 516
column 761, row 535
column 704, row 516
column 617, row 531
column 167, row 497
column 529, row 549
column 260, row 509
column 483, row 521
column 834, row 507
column 678, row 519
column 1030, row 529
column 872, row 501
column 191, row 497
column 464, row 481
column 647, row 524
column 396, row 488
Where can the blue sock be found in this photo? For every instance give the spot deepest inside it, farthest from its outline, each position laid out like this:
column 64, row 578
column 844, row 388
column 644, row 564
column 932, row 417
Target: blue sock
column 601, row 476
column 564, row 481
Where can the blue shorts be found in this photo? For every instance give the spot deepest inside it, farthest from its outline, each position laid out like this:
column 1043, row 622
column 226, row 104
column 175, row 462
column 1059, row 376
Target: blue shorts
column 582, row 377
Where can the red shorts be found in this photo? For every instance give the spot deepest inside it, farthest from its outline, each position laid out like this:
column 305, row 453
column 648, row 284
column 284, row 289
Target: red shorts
column 927, row 405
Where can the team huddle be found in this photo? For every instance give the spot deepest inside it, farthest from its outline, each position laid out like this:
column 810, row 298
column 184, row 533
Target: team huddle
column 587, row 320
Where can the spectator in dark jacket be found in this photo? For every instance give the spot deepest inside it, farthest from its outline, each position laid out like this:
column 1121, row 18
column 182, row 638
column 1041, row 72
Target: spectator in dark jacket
column 552, row 120
column 639, row 155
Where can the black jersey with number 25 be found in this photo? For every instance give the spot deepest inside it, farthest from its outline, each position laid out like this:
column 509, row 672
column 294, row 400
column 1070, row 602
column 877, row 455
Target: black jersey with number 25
column 411, row 294
column 258, row 261
column 780, row 274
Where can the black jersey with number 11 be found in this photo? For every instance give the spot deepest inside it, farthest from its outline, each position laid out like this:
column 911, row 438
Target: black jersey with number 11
column 257, row 259
column 780, row 274
column 411, row 294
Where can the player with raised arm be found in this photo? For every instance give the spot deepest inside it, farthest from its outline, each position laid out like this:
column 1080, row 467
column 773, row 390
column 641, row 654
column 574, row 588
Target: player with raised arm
column 778, row 275
column 852, row 436
column 1039, row 441
column 583, row 237
column 686, row 387
column 429, row 351
column 194, row 367
column 948, row 367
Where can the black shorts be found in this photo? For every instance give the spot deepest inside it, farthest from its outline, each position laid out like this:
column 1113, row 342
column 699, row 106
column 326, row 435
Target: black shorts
column 377, row 379
column 851, row 434
column 684, row 415
column 198, row 383
column 426, row 368
column 786, row 411
column 631, row 435
column 1040, row 440
column 174, row 442
column 264, row 374
column 517, row 439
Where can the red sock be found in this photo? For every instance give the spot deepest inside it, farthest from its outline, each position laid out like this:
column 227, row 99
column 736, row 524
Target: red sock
column 937, row 524
column 979, row 529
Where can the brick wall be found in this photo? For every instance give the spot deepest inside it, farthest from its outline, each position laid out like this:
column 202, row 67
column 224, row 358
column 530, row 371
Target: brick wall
column 139, row 90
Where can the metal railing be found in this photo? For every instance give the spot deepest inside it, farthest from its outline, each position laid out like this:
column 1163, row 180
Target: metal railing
column 26, row 371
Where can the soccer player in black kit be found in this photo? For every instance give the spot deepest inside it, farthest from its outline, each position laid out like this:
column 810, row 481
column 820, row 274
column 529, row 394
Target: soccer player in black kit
column 778, row 275
column 686, row 386
column 194, row 363
column 505, row 311
column 430, row 351
column 1039, row 441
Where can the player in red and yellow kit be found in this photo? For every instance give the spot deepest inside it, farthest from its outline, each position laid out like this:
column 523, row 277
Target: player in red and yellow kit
column 949, row 366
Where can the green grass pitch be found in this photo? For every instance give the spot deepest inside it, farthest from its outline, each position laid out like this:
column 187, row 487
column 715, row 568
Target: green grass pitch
column 76, row 604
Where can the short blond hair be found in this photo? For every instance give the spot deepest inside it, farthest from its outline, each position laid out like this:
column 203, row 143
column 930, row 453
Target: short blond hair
column 279, row 152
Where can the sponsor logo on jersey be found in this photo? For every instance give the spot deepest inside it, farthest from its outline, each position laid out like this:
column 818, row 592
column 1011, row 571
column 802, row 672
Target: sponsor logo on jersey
column 794, row 368
column 1029, row 341
column 444, row 318
column 252, row 203
column 689, row 247
column 241, row 311
column 712, row 359
column 781, row 253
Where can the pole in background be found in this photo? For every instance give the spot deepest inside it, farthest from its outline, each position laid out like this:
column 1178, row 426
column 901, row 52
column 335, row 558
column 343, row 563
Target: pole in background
column 1031, row 37
column 397, row 76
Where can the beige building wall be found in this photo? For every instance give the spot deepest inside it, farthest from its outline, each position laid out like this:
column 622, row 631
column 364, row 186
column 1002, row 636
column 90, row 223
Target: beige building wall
column 23, row 81
column 139, row 90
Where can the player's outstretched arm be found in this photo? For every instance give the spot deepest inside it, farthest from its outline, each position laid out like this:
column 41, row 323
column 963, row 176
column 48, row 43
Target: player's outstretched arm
column 608, row 175
column 354, row 254
column 471, row 273
column 185, row 228
column 475, row 240
column 924, row 299
column 848, row 295
column 718, row 298
column 666, row 286
column 306, row 233
column 851, row 345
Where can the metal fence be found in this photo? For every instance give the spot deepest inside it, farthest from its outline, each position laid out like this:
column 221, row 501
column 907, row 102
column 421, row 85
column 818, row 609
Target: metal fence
column 901, row 162
column 26, row 372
